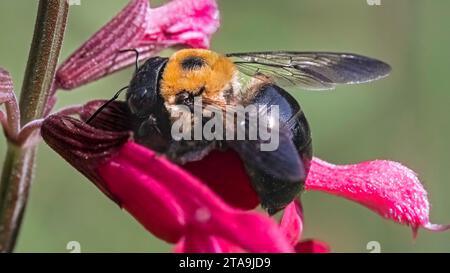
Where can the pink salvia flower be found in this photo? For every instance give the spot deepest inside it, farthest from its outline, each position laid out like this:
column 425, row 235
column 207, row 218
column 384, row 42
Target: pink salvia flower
column 137, row 26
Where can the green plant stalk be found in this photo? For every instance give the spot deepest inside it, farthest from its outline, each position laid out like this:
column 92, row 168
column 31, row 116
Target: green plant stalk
column 39, row 75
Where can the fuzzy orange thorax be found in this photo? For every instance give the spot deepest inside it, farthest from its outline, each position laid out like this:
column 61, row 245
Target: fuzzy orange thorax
column 190, row 70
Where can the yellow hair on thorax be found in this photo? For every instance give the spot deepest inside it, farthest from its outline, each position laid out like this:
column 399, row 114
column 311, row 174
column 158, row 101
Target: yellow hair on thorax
column 214, row 75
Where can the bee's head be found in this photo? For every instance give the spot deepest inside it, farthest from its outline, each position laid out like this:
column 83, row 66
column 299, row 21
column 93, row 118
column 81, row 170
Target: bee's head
column 196, row 72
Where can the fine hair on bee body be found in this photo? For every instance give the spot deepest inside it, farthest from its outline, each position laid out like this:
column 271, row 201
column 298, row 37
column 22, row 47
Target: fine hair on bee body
column 175, row 100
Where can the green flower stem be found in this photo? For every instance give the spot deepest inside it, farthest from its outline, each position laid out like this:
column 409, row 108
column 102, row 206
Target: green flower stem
column 19, row 162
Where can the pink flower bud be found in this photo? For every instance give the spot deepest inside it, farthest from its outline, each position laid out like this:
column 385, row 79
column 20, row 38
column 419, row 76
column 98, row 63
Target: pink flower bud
column 137, row 26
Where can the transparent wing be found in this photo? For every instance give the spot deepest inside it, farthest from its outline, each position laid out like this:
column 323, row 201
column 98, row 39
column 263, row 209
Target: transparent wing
column 311, row 70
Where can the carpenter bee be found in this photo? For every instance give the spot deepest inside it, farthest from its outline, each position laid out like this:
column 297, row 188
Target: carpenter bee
column 163, row 86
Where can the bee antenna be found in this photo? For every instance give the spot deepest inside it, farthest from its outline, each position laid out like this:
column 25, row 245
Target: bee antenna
column 106, row 104
column 136, row 63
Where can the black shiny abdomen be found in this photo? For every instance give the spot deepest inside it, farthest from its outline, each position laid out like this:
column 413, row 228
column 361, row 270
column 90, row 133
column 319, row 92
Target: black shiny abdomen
column 274, row 193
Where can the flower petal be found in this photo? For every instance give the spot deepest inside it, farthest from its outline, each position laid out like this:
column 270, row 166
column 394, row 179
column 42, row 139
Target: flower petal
column 83, row 146
column 292, row 222
column 188, row 22
column 312, row 246
column 224, row 173
column 386, row 187
column 144, row 197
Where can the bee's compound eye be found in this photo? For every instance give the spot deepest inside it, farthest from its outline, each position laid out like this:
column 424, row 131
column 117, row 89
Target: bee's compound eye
column 185, row 98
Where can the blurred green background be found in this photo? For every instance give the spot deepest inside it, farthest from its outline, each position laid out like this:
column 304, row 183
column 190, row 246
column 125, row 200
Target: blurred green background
column 404, row 117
